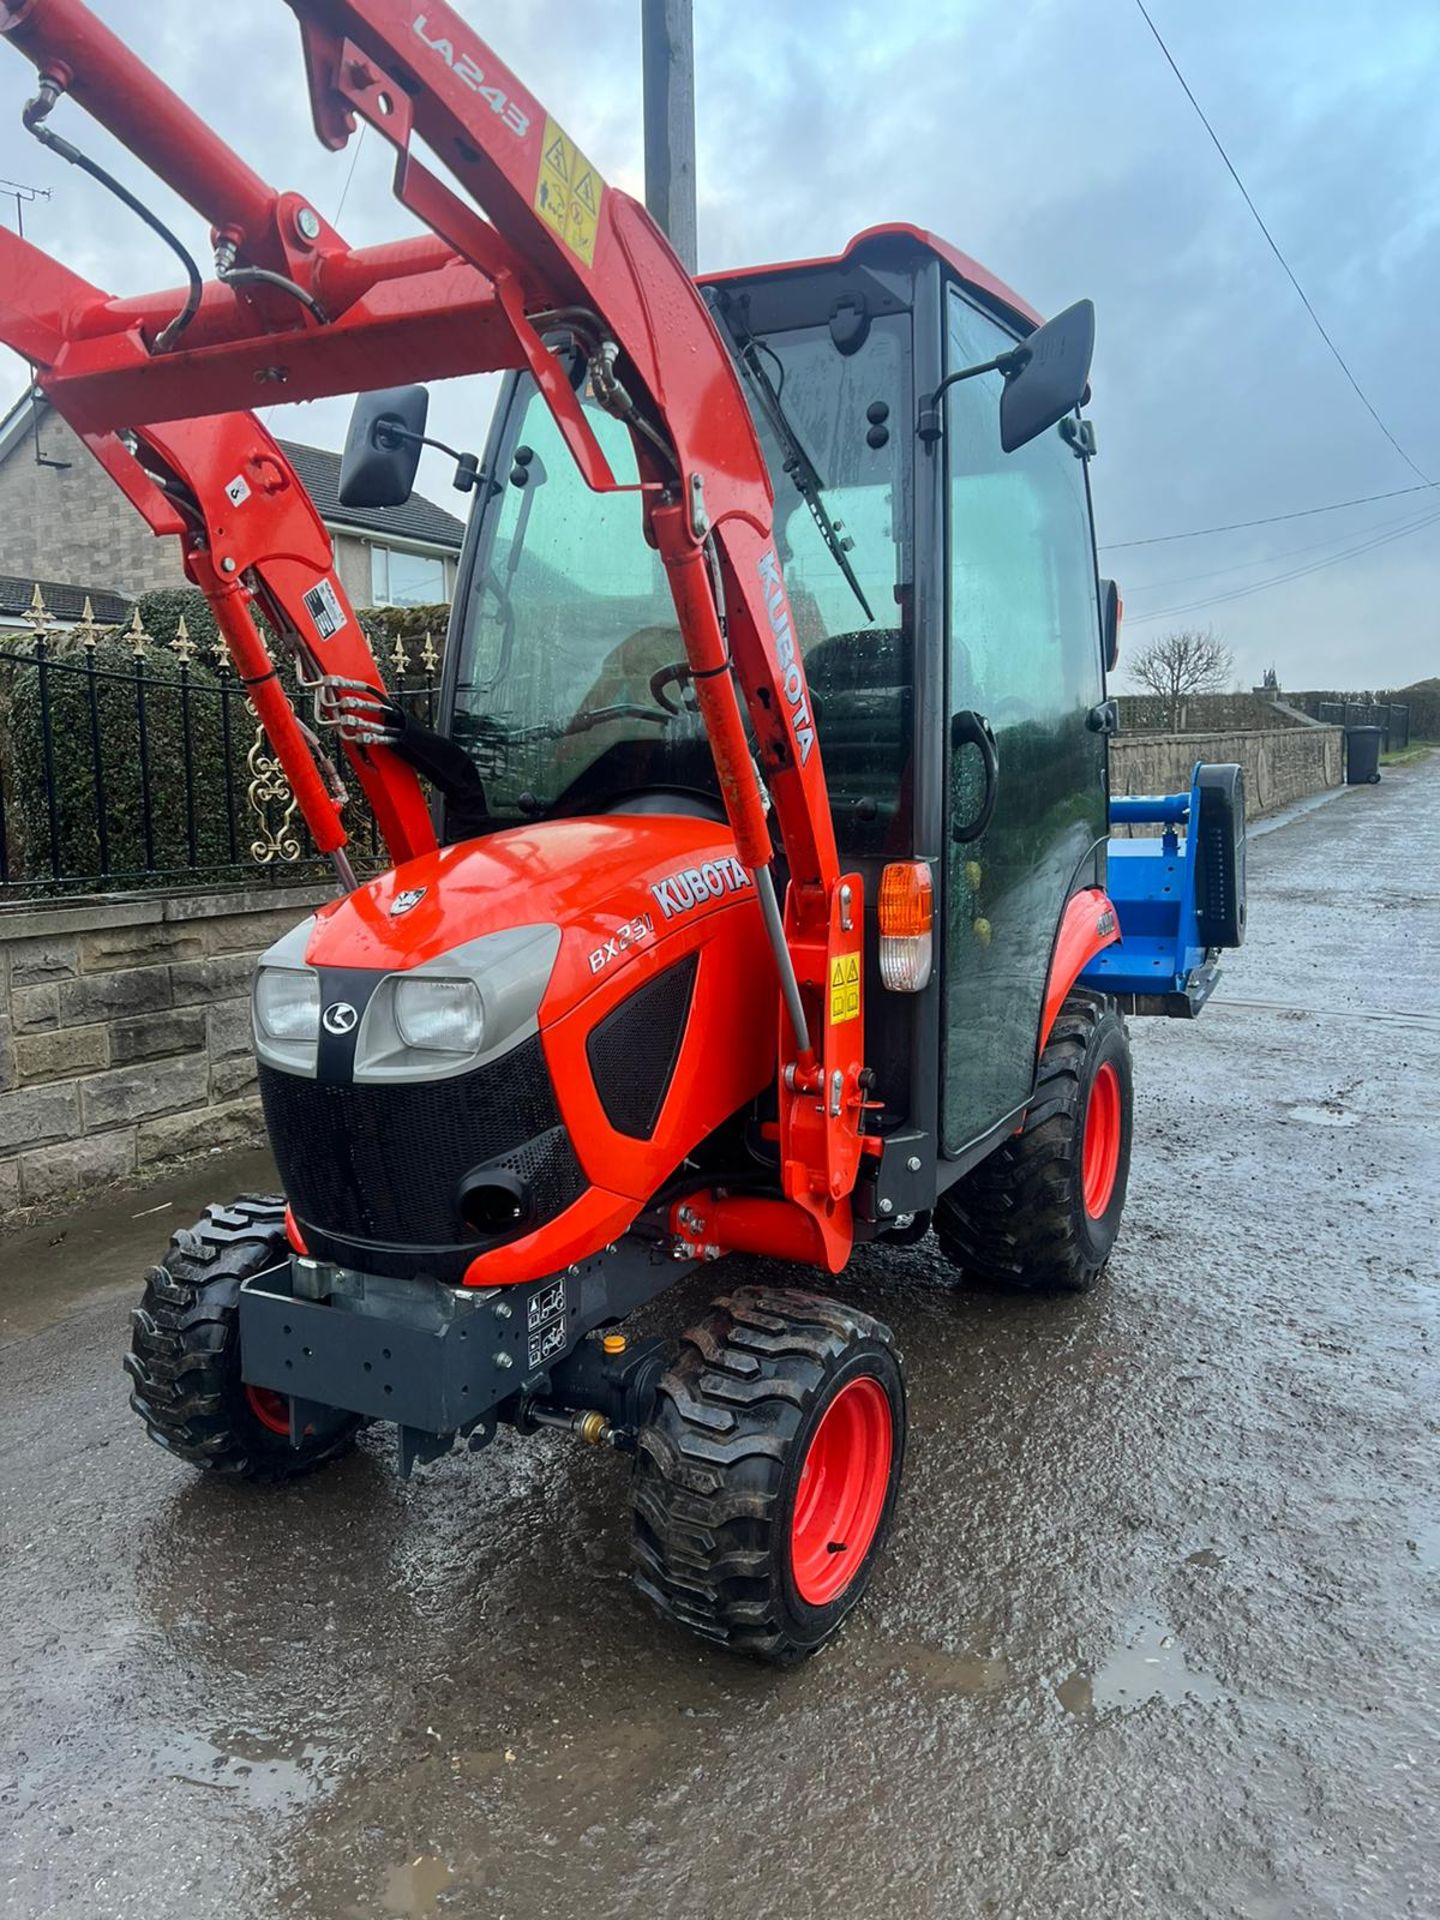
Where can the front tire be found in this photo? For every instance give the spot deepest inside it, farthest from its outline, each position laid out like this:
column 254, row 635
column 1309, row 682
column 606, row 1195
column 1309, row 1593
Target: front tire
column 1042, row 1212
column 766, row 1478
column 185, row 1353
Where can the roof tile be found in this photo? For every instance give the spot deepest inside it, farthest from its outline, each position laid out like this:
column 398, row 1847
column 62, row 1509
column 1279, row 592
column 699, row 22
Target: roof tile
column 62, row 602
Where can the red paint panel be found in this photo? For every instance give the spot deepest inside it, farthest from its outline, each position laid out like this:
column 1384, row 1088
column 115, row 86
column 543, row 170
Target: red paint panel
column 1088, row 924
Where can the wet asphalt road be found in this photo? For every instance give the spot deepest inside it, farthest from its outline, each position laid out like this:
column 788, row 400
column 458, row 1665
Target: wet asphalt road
column 1156, row 1635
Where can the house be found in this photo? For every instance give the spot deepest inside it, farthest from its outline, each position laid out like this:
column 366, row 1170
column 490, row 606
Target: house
column 65, row 523
column 64, row 603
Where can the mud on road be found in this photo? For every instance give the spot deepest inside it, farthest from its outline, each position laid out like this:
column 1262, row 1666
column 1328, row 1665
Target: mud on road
column 1156, row 1634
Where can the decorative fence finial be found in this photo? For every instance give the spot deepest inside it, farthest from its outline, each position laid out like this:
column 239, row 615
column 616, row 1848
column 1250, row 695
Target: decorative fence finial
column 182, row 643
column 87, row 630
column 137, row 636
column 37, row 615
column 429, row 658
column 399, row 659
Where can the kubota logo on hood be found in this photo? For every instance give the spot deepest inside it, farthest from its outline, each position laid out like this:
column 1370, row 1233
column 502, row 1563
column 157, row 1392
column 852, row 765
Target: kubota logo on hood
column 711, row 881
column 792, row 674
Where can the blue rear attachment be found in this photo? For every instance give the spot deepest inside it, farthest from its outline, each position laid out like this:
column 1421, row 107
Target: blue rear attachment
column 1179, row 897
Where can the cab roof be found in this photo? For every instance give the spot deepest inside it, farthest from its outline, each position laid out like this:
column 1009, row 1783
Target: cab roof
column 968, row 271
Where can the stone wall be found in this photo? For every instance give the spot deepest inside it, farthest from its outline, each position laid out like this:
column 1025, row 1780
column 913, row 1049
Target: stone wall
column 125, row 1034
column 1282, row 764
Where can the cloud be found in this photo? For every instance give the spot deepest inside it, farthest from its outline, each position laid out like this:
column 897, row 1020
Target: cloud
column 1050, row 141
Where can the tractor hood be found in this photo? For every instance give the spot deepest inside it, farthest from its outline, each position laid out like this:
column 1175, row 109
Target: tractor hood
column 513, row 1039
column 610, row 887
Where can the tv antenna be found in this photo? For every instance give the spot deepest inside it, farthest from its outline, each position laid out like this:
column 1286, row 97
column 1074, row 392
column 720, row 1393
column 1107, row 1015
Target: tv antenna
column 24, row 196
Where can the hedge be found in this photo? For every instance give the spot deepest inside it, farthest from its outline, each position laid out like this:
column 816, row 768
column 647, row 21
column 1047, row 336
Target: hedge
column 127, row 776
column 206, row 688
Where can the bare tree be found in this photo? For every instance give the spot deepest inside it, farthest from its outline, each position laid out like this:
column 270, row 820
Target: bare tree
column 1186, row 661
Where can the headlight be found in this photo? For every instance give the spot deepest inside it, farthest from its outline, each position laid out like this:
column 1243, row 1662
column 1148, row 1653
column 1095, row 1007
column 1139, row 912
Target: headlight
column 440, row 1016
column 287, row 1003
column 451, row 1014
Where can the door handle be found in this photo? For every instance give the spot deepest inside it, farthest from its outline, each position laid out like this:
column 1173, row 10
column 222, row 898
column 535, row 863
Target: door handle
column 968, row 728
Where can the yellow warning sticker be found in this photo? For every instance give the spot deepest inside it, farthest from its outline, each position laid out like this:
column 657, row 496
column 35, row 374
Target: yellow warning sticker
column 569, row 192
column 844, row 988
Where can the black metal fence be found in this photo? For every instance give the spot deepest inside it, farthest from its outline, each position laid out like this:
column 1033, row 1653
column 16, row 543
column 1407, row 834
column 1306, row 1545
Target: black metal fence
column 126, row 765
column 1392, row 720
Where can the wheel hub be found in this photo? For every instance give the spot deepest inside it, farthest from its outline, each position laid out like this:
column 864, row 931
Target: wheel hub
column 270, row 1408
column 1101, row 1157
column 841, row 1493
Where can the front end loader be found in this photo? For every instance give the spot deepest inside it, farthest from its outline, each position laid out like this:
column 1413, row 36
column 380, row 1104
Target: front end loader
column 750, row 891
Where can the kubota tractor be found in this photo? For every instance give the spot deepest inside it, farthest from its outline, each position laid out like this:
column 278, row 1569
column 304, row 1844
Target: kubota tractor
column 759, row 895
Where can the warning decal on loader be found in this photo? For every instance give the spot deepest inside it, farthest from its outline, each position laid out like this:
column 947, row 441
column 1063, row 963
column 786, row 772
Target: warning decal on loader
column 568, row 193
column 322, row 603
column 844, row 988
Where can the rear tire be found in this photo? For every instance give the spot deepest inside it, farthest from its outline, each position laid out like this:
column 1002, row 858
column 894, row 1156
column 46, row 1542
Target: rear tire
column 766, row 1478
column 185, row 1353
column 1042, row 1212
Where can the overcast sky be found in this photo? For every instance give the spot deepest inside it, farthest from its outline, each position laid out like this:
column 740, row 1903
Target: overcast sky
column 1045, row 137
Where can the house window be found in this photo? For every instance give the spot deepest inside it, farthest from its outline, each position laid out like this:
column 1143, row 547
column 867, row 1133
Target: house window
column 399, row 579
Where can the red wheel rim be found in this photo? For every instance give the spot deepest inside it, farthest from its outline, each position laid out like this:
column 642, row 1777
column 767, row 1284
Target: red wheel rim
column 271, row 1409
column 1102, row 1140
column 842, row 1491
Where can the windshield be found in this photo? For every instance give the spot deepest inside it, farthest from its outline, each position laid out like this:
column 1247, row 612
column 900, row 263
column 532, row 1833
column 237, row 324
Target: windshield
column 570, row 626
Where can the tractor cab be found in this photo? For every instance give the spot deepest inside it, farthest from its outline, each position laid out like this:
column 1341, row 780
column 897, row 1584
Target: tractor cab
column 945, row 608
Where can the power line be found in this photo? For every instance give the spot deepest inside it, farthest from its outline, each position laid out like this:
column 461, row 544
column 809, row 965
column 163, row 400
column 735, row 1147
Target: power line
column 1294, row 573
column 1289, row 272
column 1262, row 560
column 1281, row 579
column 354, row 159
column 1270, row 519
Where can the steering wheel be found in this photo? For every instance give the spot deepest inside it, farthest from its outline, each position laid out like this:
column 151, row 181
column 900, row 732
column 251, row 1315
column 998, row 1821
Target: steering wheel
column 621, row 710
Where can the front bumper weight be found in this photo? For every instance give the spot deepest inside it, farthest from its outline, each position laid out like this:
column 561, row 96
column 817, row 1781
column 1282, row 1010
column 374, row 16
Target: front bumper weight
column 414, row 1352
column 433, row 1359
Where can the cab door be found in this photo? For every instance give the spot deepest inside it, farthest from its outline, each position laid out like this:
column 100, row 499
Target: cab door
column 1023, row 657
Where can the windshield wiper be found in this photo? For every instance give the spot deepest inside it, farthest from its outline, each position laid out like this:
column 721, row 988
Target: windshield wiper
column 804, row 476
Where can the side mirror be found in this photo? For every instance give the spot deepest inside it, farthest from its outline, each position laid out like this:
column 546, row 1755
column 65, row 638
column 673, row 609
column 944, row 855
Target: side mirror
column 1111, row 609
column 1052, row 372
column 382, row 448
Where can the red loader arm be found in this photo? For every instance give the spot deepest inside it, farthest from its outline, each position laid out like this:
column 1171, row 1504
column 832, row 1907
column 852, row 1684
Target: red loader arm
column 298, row 314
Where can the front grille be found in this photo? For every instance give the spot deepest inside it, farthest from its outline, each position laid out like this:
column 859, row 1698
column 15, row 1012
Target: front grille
column 385, row 1163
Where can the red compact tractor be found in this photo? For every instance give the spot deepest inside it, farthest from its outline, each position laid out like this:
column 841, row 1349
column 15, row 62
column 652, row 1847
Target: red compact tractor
column 754, row 891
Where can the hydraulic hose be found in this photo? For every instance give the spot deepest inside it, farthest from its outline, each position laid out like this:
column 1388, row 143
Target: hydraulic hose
column 34, row 116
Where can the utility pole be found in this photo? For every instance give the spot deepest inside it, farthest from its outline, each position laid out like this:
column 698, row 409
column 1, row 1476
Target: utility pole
column 668, row 46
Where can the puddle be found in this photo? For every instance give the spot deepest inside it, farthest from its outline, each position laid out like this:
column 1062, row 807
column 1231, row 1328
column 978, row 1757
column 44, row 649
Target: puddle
column 1150, row 1665
column 412, row 1889
column 965, row 1673
column 256, row 1770
column 1324, row 1116
column 1423, row 1546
